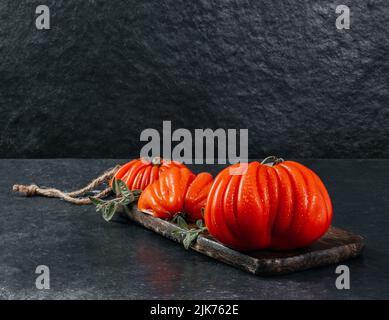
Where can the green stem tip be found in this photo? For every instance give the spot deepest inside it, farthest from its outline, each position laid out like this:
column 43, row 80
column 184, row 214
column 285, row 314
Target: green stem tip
column 272, row 161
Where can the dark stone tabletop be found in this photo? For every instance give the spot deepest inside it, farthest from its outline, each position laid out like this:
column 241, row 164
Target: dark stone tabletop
column 92, row 259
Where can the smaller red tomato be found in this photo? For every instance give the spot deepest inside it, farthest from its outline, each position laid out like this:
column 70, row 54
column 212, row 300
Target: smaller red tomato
column 177, row 190
column 139, row 173
column 165, row 196
column 196, row 196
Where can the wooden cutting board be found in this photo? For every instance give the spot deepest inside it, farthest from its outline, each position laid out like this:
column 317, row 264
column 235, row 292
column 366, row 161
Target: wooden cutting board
column 335, row 246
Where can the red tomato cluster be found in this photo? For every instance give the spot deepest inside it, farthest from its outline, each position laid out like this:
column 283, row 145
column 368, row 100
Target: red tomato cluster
column 177, row 190
column 139, row 173
column 278, row 205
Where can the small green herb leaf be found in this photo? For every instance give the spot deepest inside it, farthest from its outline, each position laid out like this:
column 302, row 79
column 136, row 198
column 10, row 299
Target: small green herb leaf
column 123, row 189
column 181, row 222
column 136, row 192
column 124, row 197
column 199, row 223
column 96, row 201
column 127, row 201
column 115, row 187
column 176, row 232
column 190, row 237
column 109, row 211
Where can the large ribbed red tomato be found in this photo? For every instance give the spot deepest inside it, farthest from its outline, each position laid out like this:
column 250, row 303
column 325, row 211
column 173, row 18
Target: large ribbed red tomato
column 139, row 173
column 282, row 205
column 176, row 190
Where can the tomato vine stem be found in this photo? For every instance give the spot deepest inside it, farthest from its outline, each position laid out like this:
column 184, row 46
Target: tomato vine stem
column 272, row 161
column 156, row 161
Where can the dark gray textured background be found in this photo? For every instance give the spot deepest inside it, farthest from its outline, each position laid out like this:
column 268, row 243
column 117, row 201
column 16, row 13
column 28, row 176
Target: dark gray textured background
column 109, row 69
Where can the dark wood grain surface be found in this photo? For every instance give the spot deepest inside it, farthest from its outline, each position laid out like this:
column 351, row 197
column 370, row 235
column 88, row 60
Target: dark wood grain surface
column 335, row 246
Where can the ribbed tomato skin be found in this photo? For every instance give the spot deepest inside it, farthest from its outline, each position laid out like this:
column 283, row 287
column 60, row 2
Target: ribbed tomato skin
column 177, row 190
column 139, row 173
column 196, row 196
column 284, row 206
column 165, row 197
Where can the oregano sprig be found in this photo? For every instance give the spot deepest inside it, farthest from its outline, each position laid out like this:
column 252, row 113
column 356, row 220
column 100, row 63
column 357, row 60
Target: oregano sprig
column 190, row 234
column 124, row 197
